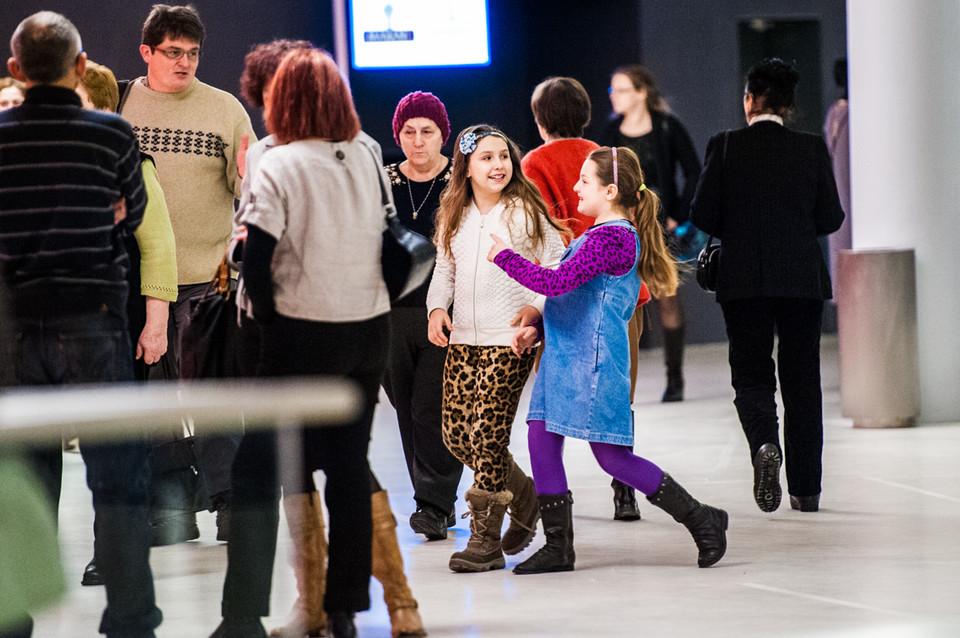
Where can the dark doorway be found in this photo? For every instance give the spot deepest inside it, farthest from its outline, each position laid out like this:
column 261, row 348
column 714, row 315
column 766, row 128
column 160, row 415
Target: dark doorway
column 792, row 40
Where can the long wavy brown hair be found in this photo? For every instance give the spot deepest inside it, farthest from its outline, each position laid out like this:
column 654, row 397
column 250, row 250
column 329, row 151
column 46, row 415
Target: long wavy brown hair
column 657, row 267
column 520, row 192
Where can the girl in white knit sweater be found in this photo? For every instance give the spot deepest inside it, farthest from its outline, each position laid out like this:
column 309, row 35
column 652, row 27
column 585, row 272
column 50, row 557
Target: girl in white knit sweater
column 483, row 379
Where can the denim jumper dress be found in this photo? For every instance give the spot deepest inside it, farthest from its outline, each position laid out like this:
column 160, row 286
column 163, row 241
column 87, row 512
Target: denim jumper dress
column 582, row 389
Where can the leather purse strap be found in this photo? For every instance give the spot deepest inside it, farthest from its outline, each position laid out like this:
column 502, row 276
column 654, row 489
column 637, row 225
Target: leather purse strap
column 389, row 209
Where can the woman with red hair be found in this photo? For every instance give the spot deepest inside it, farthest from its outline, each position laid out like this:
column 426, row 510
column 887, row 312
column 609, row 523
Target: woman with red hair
column 313, row 277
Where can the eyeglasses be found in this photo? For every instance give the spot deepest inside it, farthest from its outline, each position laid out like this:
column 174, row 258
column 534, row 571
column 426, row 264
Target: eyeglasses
column 175, row 54
column 613, row 91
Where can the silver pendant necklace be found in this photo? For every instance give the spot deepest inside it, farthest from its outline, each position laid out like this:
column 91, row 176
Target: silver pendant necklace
column 416, row 209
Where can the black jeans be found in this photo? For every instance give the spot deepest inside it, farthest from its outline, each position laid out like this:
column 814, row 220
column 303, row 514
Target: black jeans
column 94, row 348
column 292, row 347
column 750, row 330
column 414, row 385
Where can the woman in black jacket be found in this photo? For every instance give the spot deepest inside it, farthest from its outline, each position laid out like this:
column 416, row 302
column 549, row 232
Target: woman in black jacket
column 663, row 145
column 768, row 192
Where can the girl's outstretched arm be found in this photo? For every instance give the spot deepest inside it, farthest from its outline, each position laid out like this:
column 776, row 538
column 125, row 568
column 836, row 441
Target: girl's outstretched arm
column 607, row 250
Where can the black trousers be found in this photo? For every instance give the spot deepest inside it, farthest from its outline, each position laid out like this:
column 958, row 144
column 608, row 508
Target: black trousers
column 268, row 459
column 750, row 329
column 414, row 385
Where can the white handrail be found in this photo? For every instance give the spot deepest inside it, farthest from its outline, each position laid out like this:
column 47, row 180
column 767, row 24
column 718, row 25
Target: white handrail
column 111, row 411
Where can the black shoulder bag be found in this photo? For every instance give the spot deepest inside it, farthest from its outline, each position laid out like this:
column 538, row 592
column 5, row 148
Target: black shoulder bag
column 212, row 332
column 708, row 263
column 408, row 257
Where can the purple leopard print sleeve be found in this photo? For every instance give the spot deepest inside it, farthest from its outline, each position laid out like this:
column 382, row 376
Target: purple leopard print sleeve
column 607, row 250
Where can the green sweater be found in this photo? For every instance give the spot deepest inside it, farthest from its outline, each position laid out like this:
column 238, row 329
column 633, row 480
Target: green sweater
column 154, row 235
column 193, row 136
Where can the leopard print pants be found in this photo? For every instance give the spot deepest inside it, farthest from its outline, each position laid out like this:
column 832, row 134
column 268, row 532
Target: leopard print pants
column 481, row 390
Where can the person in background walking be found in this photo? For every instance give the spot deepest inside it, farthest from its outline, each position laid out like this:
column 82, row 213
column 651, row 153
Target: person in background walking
column 414, row 378
column 644, row 124
column 767, row 193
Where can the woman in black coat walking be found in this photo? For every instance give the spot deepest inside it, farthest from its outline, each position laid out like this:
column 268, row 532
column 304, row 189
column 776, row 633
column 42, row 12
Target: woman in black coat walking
column 767, row 193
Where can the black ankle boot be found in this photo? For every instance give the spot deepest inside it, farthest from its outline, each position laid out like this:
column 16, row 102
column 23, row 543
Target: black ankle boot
column 340, row 625
column 707, row 525
column 624, row 502
column 556, row 514
column 673, row 359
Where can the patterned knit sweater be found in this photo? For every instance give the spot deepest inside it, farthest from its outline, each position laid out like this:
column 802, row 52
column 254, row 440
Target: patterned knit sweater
column 193, row 136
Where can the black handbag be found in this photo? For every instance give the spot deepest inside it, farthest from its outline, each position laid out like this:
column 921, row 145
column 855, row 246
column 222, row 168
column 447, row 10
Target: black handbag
column 209, row 339
column 407, row 257
column 708, row 266
column 176, row 487
column 708, row 263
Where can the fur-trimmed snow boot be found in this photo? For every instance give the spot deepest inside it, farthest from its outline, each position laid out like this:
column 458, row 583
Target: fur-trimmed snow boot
column 483, row 552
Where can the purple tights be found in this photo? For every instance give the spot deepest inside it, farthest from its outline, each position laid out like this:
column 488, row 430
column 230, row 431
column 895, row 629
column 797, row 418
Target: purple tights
column 546, row 458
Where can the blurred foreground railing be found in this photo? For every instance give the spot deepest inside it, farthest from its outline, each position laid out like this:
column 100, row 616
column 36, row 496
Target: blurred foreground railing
column 116, row 410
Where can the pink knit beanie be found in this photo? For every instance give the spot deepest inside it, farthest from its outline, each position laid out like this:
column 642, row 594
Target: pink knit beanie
column 420, row 104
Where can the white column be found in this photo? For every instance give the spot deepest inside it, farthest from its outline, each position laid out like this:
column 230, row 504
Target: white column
column 905, row 167
column 341, row 38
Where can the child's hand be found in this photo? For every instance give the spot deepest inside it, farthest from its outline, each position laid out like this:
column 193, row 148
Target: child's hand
column 498, row 246
column 439, row 319
column 526, row 316
column 523, row 340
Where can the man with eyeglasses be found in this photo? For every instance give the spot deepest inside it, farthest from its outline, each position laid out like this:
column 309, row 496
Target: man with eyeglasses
column 192, row 130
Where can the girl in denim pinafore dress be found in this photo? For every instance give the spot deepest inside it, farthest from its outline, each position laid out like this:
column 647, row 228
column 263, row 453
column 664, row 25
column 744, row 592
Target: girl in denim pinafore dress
column 583, row 386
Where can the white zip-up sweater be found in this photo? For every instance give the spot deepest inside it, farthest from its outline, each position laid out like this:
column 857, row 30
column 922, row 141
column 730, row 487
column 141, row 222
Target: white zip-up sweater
column 484, row 298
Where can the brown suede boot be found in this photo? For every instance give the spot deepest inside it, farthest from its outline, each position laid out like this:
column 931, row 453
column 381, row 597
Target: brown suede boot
column 523, row 511
column 304, row 514
column 483, row 552
column 388, row 569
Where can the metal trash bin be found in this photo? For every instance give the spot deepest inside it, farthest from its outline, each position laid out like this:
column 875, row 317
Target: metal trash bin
column 877, row 333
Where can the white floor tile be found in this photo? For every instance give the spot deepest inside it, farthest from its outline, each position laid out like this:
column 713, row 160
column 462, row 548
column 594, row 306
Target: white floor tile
column 880, row 559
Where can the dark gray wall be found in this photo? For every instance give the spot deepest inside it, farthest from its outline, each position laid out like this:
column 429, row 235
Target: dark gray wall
column 693, row 50
column 691, row 46
column 695, row 54
column 110, row 30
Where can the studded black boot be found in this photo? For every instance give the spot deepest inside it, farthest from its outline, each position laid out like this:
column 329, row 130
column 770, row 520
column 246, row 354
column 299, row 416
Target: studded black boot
column 556, row 513
column 707, row 525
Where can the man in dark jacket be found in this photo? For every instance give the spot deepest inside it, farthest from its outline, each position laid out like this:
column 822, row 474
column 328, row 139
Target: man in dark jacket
column 62, row 169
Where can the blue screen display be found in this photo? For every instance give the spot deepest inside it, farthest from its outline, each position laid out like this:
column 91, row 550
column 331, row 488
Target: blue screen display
column 399, row 34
